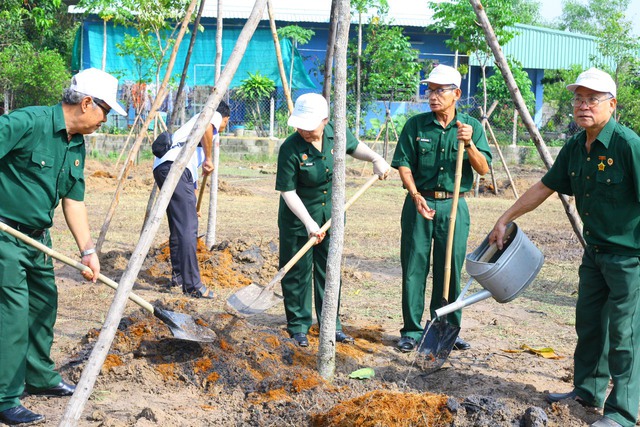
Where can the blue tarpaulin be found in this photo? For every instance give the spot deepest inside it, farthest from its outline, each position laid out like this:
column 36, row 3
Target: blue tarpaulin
column 260, row 55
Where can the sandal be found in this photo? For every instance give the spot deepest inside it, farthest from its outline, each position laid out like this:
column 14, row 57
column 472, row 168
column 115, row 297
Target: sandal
column 202, row 292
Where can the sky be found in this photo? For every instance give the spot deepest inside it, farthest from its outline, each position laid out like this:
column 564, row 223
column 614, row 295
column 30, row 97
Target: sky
column 551, row 9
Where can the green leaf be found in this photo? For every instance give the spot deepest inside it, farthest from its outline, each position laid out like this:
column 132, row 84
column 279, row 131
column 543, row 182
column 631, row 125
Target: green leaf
column 363, row 374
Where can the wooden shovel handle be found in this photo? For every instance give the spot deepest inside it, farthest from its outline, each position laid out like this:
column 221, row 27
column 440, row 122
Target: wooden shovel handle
column 452, row 221
column 303, row 250
column 202, row 186
column 73, row 263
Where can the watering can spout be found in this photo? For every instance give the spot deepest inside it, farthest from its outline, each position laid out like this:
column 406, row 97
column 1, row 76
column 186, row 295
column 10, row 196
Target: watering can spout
column 461, row 303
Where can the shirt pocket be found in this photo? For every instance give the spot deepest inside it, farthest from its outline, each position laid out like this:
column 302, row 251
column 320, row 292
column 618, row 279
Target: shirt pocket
column 426, row 151
column 39, row 168
column 610, row 185
column 312, row 173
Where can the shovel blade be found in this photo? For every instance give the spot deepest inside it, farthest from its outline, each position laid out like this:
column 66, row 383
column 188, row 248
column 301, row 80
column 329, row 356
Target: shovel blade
column 184, row 327
column 435, row 345
column 253, row 299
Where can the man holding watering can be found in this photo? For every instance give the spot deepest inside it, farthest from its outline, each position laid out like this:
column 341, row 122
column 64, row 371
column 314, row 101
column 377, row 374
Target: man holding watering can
column 600, row 166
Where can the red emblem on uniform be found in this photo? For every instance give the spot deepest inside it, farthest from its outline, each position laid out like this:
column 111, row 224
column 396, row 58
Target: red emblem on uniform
column 600, row 166
column 77, row 162
column 305, row 157
column 610, row 161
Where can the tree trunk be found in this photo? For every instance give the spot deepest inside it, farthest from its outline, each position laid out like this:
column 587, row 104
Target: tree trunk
column 276, row 42
column 331, row 43
column 114, row 315
column 358, row 70
column 502, row 64
column 218, row 42
column 161, row 93
column 178, row 105
column 327, row 347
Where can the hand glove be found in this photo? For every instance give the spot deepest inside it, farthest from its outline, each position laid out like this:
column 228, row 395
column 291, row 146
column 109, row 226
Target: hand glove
column 380, row 167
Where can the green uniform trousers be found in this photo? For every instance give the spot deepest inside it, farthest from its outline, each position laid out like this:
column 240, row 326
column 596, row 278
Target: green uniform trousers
column 419, row 236
column 28, row 308
column 607, row 325
column 297, row 283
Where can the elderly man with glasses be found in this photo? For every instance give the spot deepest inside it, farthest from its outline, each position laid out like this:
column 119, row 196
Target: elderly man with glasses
column 600, row 167
column 426, row 160
column 42, row 155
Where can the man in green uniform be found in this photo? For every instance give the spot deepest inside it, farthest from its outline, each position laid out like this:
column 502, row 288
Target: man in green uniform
column 426, row 159
column 600, row 166
column 304, row 178
column 42, row 155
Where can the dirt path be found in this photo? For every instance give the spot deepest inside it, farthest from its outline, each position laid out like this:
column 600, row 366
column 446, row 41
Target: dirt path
column 254, row 375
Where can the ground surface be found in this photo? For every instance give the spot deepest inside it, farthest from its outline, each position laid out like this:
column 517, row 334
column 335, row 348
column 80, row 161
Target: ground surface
column 254, row 375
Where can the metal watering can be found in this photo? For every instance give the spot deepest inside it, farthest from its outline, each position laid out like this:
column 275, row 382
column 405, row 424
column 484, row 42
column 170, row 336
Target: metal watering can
column 504, row 274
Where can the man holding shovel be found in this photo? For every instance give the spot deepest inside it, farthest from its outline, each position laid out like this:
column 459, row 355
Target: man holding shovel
column 304, row 179
column 600, row 166
column 426, row 160
column 42, row 156
column 181, row 211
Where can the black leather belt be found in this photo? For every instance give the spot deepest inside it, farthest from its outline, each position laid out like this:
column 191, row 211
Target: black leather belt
column 31, row 232
column 438, row 195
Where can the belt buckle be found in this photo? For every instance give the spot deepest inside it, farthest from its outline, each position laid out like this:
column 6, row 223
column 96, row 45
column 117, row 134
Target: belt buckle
column 439, row 194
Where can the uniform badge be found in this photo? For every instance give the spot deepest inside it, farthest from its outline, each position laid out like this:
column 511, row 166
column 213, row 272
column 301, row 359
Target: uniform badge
column 601, row 166
column 610, row 161
column 305, row 157
column 77, row 162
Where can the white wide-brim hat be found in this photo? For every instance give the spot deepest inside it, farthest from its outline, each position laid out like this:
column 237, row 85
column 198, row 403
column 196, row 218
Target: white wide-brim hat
column 310, row 110
column 98, row 84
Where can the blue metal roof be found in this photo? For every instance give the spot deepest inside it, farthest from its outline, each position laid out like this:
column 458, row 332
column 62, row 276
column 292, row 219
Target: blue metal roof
column 547, row 49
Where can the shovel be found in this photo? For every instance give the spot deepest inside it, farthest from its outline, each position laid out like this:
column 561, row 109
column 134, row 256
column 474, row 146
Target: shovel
column 182, row 326
column 201, row 194
column 255, row 299
column 440, row 336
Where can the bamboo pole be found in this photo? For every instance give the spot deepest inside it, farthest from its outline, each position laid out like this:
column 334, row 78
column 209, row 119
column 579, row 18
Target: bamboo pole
column 162, row 93
column 114, row 315
column 276, row 42
column 501, row 63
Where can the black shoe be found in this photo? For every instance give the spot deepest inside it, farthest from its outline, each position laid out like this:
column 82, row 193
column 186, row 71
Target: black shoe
column 61, row 390
column 202, row 292
column 461, row 344
column 343, row 338
column 572, row 395
column 406, row 344
column 20, row 416
column 301, row 339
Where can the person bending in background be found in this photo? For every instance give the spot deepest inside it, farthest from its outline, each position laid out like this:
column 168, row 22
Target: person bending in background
column 426, row 160
column 181, row 211
column 42, row 155
column 304, row 179
column 600, row 167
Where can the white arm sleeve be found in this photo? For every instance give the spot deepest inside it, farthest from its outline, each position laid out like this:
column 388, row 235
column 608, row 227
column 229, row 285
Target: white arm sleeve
column 363, row 152
column 298, row 208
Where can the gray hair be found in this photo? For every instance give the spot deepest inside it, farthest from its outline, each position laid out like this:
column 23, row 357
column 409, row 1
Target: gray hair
column 72, row 96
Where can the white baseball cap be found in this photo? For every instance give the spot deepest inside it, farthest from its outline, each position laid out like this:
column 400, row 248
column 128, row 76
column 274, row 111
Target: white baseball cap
column 98, row 84
column 595, row 79
column 310, row 110
column 444, row 75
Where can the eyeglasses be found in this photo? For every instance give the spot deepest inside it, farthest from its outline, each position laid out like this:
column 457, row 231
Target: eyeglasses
column 440, row 91
column 591, row 101
column 99, row 103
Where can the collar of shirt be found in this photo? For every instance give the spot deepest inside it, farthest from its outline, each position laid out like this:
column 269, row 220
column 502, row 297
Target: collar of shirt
column 59, row 125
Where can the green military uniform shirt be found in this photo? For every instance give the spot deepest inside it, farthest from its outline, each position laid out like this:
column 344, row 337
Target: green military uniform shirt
column 38, row 165
column 303, row 168
column 606, row 185
column 430, row 151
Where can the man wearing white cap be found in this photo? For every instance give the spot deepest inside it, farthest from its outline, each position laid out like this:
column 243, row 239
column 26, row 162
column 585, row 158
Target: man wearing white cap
column 181, row 211
column 426, row 160
column 304, row 179
column 600, row 166
column 42, row 155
